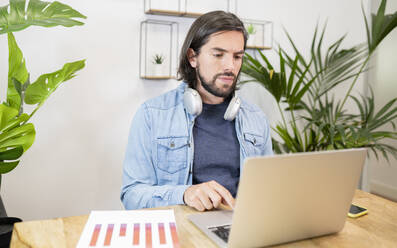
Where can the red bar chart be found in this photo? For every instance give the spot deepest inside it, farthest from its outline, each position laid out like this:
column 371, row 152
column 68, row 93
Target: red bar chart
column 123, row 229
column 161, row 233
column 109, row 233
column 95, row 234
column 174, row 234
column 136, row 234
column 139, row 228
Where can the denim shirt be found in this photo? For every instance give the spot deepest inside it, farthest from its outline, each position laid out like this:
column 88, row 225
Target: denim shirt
column 159, row 157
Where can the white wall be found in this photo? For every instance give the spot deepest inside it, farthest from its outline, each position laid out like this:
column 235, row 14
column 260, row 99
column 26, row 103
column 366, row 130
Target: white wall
column 383, row 175
column 75, row 164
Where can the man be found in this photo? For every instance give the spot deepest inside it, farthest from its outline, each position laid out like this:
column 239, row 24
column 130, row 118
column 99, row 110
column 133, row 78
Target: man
column 178, row 156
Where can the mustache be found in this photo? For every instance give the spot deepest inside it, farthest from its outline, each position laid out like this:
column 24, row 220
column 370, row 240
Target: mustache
column 228, row 74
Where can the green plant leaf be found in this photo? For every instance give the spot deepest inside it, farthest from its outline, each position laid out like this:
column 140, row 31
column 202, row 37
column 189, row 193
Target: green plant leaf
column 6, row 167
column 297, row 98
column 37, row 13
column 298, row 53
column 17, row 73
column 318, row 54
column 385, row 108
column 43, row 87
column 367, row 29
column 15, row 137
column 274, row 82
column 11, row 154
column 292, row 74
column 313, row 53
column 256, row 63
column 382, row 25
column 6, row 115
column 266, row 60
column 19, row 136
column 15, row 122
column 13, row 131
column 308, row 93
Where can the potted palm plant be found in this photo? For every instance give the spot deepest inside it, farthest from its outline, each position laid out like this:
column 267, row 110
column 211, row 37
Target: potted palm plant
column 16, row 133
column 313, row 117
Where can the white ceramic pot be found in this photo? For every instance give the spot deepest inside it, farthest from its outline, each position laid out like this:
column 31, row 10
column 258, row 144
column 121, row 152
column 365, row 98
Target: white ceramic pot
column 258, row 41
column 158, row 70
column 251, row 40
column 363, row 184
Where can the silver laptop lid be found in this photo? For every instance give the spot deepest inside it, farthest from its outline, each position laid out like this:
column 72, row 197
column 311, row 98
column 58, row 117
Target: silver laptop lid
column 289, row 197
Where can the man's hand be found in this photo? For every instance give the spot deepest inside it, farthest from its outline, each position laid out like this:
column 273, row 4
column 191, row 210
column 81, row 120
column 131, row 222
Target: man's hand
column 207, row 195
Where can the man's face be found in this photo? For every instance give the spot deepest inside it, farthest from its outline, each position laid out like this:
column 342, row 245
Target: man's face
column 219, row 62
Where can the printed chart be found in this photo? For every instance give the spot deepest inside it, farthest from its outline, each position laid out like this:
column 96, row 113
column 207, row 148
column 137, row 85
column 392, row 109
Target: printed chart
column 136, row 228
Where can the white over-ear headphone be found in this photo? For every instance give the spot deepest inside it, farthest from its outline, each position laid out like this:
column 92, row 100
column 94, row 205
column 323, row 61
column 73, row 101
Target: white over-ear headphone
column 194, row 104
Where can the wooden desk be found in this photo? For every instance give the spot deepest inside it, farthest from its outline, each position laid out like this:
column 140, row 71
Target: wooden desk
column 376, row 229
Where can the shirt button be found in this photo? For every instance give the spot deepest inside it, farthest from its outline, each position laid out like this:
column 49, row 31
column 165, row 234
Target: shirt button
column 172, row 144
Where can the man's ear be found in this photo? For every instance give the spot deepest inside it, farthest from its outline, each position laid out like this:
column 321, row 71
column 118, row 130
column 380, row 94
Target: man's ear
column 192, row 57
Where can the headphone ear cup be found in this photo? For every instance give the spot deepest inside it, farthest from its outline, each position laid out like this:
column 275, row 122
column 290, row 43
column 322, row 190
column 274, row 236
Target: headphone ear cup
column 232, row 109
column 192, row 101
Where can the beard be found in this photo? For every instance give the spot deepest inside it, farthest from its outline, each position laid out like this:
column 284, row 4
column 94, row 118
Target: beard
column 224, row 91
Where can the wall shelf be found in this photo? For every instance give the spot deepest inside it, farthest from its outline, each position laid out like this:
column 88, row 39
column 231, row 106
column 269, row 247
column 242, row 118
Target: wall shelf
column 187, row 8
column 157, row 77
column 172, row 13
column 259, row 47
column 158, row 53
column 260, row 34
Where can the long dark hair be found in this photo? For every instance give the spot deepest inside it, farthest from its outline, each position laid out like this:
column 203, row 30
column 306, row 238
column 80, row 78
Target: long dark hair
column 198, row 36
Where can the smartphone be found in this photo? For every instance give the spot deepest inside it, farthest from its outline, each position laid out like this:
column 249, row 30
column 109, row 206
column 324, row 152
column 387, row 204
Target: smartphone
column 356, row 211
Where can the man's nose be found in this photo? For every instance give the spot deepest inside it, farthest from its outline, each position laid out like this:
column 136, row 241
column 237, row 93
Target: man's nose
column 228, row 63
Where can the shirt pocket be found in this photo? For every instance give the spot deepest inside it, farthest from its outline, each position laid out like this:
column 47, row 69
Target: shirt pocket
column 172, row 153
column 254, row 144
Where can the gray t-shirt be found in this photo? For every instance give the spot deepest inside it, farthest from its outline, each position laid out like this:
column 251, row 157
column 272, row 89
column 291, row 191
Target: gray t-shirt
column 216, row 148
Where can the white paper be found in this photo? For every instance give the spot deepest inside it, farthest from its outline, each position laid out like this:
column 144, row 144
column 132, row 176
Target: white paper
column 134, row 228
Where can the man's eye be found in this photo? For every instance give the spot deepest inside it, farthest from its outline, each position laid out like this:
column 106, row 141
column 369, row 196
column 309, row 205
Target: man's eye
column 218, row 55
column 238, row 57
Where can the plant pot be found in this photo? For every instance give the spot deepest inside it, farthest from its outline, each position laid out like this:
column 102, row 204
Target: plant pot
column 251, row 40
column 363, row 183
column 3, row 212
column 158, row 70
column 6, row 227
column 258, row 40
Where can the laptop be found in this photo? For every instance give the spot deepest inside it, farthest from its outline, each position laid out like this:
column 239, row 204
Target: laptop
column 284, row 198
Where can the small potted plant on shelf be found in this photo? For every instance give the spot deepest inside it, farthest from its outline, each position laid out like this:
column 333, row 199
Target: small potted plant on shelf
column 251, row 35
column 158, row 66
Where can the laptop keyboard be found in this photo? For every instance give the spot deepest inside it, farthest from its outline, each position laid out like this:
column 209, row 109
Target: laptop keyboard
column 221, row 231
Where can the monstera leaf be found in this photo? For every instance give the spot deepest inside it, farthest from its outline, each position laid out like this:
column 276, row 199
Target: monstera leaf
column 17, row 74
column 23, row 14
column 43, row 87
column 19, row 88
column 15, row 137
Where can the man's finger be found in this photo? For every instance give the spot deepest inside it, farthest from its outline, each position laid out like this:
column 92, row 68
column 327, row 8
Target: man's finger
column 225, row 194
column 215, row 198
column 225, row 204
column 202, row 194
column 197, row 205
